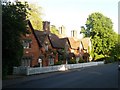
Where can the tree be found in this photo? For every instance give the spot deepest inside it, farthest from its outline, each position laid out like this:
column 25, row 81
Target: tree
column 54, row 30
column 100, row 29
column 115, row 52
column 83, row 31
column 13, row 26
column 35, row 16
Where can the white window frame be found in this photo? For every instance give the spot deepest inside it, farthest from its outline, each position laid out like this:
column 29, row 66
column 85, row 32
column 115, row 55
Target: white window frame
column 27, row 44
column 51, row 61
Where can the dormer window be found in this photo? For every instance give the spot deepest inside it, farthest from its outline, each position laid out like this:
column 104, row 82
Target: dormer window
column 28, row 30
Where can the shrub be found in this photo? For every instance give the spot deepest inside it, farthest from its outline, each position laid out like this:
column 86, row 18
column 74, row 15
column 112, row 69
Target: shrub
column 109, row 60
column 58, row 63
column 81, row 60
column 117, row 58
column 99, row 57
column 72, row 61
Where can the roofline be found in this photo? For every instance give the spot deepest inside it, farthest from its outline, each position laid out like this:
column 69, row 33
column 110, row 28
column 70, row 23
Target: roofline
column 82, row 45
column 68, row 41
column 52, row 44
column 29, row 23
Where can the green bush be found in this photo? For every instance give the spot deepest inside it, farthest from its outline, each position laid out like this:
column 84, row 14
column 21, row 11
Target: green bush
column 58, row 63
column 99, row 57
column 117, row 58
column 81, row 60
column 109, row 60
column 72, row 61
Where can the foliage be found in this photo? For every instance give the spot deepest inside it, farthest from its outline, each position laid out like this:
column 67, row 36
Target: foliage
column 54, row 30
column 97, row 57
column 62, row 56
column 81, row 60
column 72, row 61
column 58, row 63
column 35, row 13
column 54, row 52
column 109, row 60
column 100, row 29
column 13, row 25
column 115, row 52
column 83, row 31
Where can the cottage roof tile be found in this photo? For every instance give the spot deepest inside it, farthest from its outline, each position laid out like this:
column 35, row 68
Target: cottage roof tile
column 85, row 42
column 74, row 44
column 54, row 39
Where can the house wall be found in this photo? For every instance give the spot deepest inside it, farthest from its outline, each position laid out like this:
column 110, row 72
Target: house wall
column 56, row 58
column 34, row 51
column 48, row 53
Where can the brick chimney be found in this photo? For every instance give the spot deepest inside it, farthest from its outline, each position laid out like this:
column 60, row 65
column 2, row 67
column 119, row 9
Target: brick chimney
column 46, row 26
column 73, row 33
column 62, row 30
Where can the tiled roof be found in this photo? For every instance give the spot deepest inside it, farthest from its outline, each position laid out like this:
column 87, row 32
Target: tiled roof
column 63, row 41
column 54, row 39
column 40, row 36
column 85, row 42
column 59, row 43
column 73, row 43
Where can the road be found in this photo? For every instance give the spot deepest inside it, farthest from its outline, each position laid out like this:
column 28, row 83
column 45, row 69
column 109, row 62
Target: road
column 102, row 76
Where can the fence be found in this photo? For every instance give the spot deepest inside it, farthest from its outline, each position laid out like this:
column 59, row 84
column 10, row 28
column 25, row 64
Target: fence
column 38, row 70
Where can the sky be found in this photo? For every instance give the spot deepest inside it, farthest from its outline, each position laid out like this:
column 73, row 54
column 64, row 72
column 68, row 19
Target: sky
column 74, row 13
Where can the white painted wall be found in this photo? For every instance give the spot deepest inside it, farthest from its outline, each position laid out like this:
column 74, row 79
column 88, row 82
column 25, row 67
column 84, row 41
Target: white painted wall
column 64, row 67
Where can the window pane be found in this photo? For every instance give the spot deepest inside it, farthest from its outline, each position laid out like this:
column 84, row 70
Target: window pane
column 27, row 43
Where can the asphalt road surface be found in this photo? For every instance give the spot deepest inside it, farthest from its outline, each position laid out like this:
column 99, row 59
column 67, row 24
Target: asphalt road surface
column 102, row 76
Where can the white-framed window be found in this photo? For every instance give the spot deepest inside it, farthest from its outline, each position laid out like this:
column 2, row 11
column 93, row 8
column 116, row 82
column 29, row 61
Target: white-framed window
column 46, row 46
column 51, row 60
column 27, row 43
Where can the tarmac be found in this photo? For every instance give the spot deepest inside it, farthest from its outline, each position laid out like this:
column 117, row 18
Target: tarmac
column 17, row 79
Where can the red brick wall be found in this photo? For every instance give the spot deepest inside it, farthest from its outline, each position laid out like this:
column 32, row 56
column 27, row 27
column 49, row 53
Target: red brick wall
column 34, row 50
column 56, row 58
